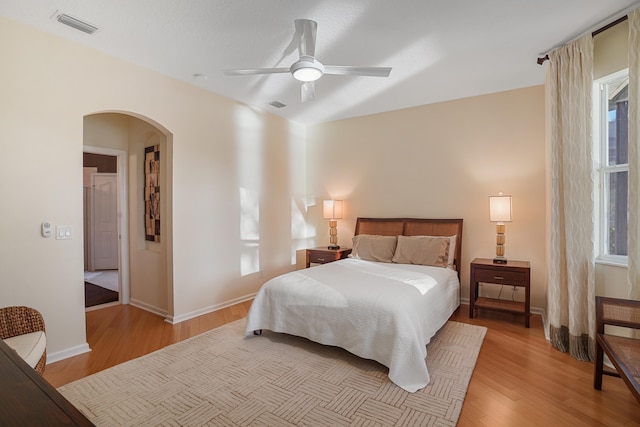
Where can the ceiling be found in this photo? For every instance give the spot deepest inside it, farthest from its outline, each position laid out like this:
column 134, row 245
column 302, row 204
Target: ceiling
column 439, row 50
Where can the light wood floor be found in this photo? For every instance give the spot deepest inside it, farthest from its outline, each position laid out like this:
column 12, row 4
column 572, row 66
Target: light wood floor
column 519, row 379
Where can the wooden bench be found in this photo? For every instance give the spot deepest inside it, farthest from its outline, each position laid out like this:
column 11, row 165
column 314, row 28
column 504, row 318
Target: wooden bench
column 623, row 352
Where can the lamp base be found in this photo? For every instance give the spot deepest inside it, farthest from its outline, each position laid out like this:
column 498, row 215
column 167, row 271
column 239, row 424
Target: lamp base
column 333, row 247
column 499, row 260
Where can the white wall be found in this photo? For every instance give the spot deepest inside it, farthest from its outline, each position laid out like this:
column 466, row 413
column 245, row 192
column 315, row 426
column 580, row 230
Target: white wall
column 48, row 86
column 610, row 50
column 106, row 130
column 441, row 161
column 150, row 284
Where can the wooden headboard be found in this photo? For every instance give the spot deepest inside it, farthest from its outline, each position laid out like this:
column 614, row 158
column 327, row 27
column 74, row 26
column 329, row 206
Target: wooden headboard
column 414, row 227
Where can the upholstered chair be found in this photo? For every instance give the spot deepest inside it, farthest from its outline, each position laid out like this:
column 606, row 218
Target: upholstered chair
column 22, row 328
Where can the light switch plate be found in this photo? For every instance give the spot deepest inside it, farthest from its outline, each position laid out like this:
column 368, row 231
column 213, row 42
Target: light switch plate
column 64, row 232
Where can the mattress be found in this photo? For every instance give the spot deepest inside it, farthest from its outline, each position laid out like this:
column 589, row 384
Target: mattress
column 381, row 311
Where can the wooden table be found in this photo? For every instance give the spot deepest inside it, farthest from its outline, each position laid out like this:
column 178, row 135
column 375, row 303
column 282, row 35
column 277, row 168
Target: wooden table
column 322, row 255
column 513, row 273
column 27, row 399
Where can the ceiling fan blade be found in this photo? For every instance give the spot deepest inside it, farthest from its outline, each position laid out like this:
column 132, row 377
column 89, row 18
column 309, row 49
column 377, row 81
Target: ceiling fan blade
column 308, row 91
column 307, row 30
column 347, row 70
column 252, row 71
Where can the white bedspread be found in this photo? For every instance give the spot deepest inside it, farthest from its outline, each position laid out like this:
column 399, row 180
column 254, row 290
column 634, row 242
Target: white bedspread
column 384, row 312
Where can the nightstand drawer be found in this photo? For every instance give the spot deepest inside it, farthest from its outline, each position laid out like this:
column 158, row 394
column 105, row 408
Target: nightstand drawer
column 318, row 257
column 499, row 277
column 324, row 255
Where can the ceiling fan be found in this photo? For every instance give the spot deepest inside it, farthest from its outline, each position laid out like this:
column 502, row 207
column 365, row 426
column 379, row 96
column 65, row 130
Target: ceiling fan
column 308, row 69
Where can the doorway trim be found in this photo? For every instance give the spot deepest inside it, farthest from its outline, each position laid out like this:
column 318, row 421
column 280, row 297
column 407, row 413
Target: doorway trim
column 122, row 215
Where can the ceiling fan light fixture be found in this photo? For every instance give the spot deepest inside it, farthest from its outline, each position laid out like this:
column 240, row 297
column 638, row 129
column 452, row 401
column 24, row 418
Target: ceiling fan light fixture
column 307, row 74
column 307, row 70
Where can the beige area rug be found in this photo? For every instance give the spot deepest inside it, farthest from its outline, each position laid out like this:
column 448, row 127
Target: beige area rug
column 220, row 378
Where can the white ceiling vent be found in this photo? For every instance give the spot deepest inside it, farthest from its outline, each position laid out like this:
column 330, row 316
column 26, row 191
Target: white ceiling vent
column 76, row 23
column 277, row 104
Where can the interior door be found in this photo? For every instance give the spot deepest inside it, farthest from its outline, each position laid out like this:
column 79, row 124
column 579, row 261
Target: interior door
column 105, row 221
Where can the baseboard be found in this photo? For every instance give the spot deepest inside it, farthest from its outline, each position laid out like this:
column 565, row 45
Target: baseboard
column 534, row 310
column 545, row 324
column 148, row 307
column 70, row 352
column 98, row 307
column 182, row 317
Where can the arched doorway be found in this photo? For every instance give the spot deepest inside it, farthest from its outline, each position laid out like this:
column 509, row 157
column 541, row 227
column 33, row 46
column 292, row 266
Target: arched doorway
column 144, row 266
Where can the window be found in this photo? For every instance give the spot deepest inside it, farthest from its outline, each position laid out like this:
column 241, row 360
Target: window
column 612, row 164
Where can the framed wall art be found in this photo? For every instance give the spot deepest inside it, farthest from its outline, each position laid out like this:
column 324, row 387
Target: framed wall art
column 152, row 193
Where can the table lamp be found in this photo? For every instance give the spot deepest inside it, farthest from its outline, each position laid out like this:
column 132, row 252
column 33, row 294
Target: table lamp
column 500, row 212
column 332, row 210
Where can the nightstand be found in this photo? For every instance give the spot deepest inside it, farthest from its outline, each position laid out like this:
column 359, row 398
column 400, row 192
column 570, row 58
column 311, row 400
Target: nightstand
column 513, row 273
column 322, row 255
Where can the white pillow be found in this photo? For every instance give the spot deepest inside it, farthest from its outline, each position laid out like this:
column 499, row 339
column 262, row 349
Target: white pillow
column 423, row 250
column 370, row 247
column 452, row 250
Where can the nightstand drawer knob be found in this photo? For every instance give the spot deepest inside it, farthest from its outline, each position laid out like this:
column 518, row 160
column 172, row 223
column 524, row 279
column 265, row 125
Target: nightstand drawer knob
column 498, row 277
column 320, row 259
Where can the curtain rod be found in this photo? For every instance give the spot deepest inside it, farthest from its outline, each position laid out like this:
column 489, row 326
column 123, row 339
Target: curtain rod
column 593, row 34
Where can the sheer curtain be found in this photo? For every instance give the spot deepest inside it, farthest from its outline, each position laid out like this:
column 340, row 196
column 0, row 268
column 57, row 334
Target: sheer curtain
column 634, row 161
column 571, row 294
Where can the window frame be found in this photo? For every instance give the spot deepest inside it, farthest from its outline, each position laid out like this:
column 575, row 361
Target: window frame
column 602, row 170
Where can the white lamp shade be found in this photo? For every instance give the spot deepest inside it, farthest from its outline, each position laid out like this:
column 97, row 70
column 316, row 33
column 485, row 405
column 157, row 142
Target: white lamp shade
column 500, row 208
column 332, row 209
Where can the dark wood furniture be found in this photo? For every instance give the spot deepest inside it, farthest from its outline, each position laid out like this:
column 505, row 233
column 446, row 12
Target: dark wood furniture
column 623, row 352
column 28, row 399
column 322, row 255
column 414, row 227
column 513, row 273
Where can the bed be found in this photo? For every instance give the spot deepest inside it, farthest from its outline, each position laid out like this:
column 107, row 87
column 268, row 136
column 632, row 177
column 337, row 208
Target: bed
column 382, row 303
